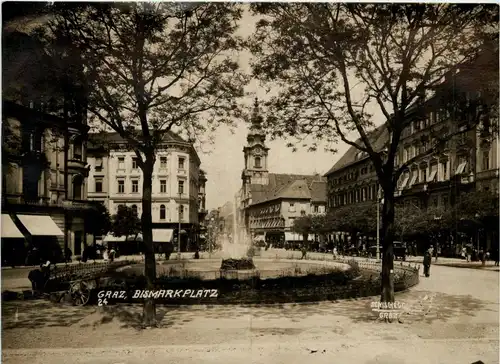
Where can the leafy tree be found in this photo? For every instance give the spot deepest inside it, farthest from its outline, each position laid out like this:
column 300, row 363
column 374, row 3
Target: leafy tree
column 149, row 68
column 354, row 219
column 303, row 225
column 125, row 222
column 98, row 221
column 335, row 66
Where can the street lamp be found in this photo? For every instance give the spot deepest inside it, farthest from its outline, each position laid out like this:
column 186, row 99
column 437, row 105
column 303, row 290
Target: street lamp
column 379, row 201
column 179, row 231
column 212, row 238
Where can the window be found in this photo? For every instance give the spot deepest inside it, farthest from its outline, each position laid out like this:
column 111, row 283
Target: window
column 445, row 201
column 443, row 173
column 257, row 162
column 134, row 163
column 486, row 160
column 121, row 162
column 163, row 212
column 423, row 175
column 292, row 207
column 121, row 186
column 134, row 210
column 98, row 164
column 77, row 149
column 181, row 212
column 98, row 185
column 180, row 188
column 163, row 186
column 135, row 186
column 316, row 208
column 163, row 162
column 77, row 187
column 181, row 162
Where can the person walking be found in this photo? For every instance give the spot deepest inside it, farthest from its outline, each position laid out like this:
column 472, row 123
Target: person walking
column 495, row 253
column 304, row 251
column 427, row 262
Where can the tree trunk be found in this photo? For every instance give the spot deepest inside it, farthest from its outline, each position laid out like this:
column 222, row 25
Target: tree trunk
column 149, row 313
column 387, row 234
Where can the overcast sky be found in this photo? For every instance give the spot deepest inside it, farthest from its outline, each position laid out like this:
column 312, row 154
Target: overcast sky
column 226, row 161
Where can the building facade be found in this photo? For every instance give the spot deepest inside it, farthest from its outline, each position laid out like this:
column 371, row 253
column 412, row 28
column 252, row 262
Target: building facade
column 178, row 186
column 269, row 202
column 44, row 170
column 467, row 162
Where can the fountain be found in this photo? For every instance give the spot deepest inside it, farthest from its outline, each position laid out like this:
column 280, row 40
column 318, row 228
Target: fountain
column 236, row 252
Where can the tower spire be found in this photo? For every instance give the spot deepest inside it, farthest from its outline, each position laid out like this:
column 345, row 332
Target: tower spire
column 256, row 117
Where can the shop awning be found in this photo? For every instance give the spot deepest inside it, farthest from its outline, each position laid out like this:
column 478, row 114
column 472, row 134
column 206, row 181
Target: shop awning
column 405, row 182
column 162, row 235
column 40, row 225
column 110, row 238
column 134, row 237
column 461, row 168
column 9, row 228
column 432, row 176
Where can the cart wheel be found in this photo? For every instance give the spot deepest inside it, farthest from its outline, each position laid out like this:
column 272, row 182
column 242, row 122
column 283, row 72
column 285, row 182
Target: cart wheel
column 80, row 293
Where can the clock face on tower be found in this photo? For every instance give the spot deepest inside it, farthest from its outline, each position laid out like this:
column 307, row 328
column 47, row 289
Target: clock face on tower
column 257, row 150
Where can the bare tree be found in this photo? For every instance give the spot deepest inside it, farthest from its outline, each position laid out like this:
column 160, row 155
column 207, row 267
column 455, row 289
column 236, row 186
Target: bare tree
column 335, row 66
column 147, row 69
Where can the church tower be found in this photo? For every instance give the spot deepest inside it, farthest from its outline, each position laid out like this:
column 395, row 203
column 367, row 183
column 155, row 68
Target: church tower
column 255, row 153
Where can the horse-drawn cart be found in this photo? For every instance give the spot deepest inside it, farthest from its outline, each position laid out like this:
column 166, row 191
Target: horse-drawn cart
column 73, row 283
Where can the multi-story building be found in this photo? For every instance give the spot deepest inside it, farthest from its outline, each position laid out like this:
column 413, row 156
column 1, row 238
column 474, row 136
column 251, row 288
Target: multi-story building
column 353, row 178
column 116, row 179
column 468, row 161
column 269, row 202
column 44, row 170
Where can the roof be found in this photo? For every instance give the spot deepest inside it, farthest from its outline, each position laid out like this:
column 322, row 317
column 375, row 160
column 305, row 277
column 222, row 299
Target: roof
column 96, row 140
column 291, row 186
column 378, row 138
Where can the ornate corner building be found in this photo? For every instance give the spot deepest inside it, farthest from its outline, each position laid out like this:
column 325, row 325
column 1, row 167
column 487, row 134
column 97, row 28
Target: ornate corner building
column 44, row 170
column 269, row 202
column 178, row 194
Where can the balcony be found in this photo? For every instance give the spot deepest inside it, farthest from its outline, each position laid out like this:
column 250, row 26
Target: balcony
column 488, row 174
column 419, row 187
column 20, row 199
column 78, row 166
column 16, row 199
column 437, row 185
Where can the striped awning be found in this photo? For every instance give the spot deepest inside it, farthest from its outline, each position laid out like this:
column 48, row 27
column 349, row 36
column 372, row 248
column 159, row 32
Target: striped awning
column 40, row 225
column 163, row 235
column 9, row 228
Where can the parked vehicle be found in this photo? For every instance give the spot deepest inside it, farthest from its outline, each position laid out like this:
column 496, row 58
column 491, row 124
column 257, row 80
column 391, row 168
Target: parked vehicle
column 399, row 251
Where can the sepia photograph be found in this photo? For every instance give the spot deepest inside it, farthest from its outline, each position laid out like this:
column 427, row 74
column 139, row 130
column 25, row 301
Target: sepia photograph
column 250, row 182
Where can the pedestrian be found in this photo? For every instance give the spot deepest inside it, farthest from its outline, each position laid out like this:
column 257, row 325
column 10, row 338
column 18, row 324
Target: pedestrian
column 427, row 262
column 437, row 252
column 112, row 254
column 496, row 256
column 304, row 251
column 335, row 253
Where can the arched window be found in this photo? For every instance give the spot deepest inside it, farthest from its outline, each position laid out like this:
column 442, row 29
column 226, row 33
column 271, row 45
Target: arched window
column 77, row 187
column 163, row 212
column 257, row 162
column 134, row 209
